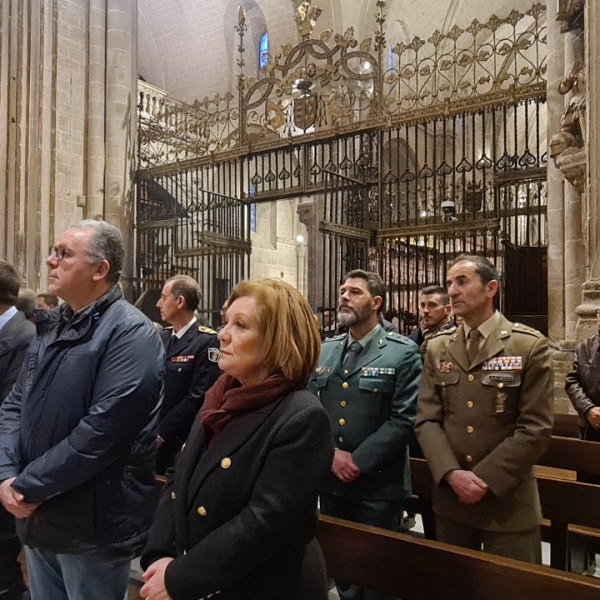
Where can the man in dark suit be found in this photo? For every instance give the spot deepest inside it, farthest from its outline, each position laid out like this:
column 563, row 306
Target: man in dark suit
column 192, row 354
column 367, row 380
column 16, row 333
column 484, row 418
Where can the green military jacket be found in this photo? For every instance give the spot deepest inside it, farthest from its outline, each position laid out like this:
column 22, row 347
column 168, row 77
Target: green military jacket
column 493, row 417
column 372, row 411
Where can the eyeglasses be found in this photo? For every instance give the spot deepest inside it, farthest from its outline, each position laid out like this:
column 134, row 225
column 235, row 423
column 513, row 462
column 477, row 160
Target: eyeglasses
column 60, row 253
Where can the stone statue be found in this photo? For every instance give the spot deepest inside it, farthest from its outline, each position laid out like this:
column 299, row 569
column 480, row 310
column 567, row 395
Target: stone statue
column 572, row 132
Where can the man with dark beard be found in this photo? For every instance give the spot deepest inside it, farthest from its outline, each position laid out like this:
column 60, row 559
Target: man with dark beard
column 367, row 380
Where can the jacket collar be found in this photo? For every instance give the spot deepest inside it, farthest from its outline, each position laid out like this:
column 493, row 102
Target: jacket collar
column 74, row 326
column 371, row 351
column 234, row 436
column 492, row 346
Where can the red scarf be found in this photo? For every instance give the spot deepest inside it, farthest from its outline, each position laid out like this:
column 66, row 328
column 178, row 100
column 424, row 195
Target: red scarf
column 227, row 399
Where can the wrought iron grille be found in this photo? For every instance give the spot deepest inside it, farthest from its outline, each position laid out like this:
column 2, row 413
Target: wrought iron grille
column 410, row 158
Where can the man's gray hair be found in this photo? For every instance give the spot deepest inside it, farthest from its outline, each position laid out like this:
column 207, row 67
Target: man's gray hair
column 105, row 243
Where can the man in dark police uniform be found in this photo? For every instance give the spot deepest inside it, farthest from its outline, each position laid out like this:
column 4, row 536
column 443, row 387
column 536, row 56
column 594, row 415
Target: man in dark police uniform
column 368, row 381
column 484, row 418
column 192, row 354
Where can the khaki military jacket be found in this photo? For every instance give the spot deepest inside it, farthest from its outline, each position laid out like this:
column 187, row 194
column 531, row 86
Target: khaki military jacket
column 493, row 417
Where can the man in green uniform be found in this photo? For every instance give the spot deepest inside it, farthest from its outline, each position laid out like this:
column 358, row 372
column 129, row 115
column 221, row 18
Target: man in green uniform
column 484, row 418
column 368, row 381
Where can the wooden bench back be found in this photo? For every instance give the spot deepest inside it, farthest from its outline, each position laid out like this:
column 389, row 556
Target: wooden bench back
column 415, row 569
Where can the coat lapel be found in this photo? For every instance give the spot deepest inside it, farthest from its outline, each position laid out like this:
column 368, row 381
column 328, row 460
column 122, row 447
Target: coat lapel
column 371, row 352
column 229, row 440
column 491, row 347
column 457, row 349
column 9, row 331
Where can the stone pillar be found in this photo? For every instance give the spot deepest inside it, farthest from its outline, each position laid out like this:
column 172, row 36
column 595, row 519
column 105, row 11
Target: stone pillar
column 308, row 215
column 591, row 227
column 556, row 182
column 592, row 37
column 96, row 107
column 574, row 241
column 120, row 124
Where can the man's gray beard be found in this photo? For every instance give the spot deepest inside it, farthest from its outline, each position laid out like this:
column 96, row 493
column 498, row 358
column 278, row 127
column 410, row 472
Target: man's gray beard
column 347, row 318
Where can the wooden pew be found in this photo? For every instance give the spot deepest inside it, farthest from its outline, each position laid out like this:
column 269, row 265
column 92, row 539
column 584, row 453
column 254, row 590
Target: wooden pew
column 415, row 569
column 569, row 507
column 565, row 426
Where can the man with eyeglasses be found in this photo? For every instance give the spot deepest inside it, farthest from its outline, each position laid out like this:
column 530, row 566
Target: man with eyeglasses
column 78, row 429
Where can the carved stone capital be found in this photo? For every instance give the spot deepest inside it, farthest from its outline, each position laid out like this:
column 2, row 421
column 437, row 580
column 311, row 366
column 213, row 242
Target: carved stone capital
column 572, row 164
column 587, row 323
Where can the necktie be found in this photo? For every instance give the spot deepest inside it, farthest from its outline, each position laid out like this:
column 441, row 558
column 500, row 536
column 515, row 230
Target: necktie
column 171, row 343
column 473, row 344
column 351, row 357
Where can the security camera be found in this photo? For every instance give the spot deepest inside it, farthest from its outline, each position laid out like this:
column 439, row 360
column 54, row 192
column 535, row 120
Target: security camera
column 448, row 207
column 448, row 211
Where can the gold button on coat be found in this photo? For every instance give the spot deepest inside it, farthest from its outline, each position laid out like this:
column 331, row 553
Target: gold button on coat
column 202, row 511
column 345, row 385
column 225, row 463
column 469, row 458
column 375, row 390
column 471, row 378
column 173, row 495
column 470, row 404
column 500, row 385
column 341, row 440
column 343, row 403
column 342, row 421
column 470, row 429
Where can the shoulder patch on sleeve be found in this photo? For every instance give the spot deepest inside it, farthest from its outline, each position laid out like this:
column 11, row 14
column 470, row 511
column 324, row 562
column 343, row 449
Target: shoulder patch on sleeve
column 204, row 329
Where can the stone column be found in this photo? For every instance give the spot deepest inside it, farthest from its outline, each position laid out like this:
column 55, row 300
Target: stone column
column 121, row 114
column 556, row 182
column 308, row 215
column 96, row 107
column 574, row 241
column 591, row 288
column 592, row 36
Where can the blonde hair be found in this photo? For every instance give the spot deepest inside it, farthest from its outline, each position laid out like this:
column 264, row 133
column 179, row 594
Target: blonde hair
column 290, row 336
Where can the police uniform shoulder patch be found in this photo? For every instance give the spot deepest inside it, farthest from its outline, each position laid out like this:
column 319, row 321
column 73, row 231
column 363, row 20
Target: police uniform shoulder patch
column 526, row 329
column 204, row 329
column 214, row 354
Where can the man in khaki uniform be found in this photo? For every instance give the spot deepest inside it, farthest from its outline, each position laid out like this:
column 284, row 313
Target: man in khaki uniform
column 484, row 417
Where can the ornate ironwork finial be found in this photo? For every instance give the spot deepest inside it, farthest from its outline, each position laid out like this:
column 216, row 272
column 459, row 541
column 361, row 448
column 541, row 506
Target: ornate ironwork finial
column 306, row 18
column 380, row 20
column 241, row 16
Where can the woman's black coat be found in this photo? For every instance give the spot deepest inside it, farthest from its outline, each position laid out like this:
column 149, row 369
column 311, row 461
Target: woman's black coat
column 238, row 520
